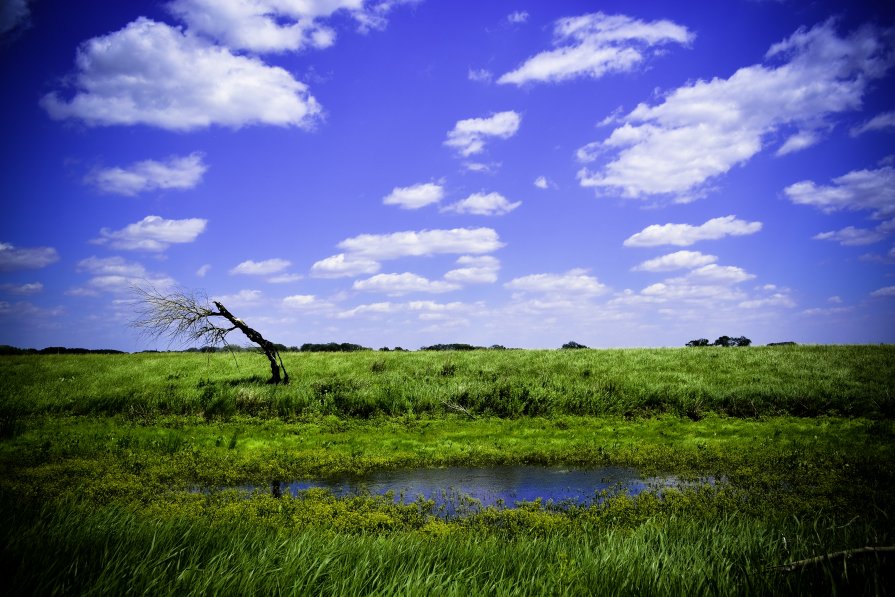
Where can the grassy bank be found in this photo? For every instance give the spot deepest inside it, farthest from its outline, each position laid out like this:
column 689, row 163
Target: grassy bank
column 101, row 456
column 741, row 382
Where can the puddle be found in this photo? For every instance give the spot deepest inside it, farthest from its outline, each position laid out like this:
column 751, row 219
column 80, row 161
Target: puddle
column 465, row 490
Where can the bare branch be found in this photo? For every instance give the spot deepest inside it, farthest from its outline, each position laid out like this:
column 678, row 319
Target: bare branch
column 188, row 317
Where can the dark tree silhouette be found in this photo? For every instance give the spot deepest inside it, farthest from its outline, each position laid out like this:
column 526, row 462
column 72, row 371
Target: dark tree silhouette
column 189, row 316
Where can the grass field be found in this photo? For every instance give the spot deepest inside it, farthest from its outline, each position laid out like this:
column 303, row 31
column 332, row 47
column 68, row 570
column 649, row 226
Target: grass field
column 101, row 455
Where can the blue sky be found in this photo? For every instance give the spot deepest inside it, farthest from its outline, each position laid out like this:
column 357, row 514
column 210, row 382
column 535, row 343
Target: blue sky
column 404, row 173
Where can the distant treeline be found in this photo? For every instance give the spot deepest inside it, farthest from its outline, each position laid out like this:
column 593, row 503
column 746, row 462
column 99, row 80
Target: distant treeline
column 11, row 350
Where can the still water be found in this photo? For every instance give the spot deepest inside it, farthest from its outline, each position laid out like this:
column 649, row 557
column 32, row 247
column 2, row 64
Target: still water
column 458, row 490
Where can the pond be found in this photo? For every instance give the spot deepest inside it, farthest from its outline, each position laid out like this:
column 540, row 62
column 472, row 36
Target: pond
column 462, row 490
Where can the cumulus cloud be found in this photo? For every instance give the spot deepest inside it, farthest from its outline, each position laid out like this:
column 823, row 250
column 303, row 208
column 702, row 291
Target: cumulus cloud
column 880, row 122
column 152, row 233
column 887, row 291
column 468, row 136
column 243, row 298
column 398, row 284
column 260, row 268
column 685, row 234
column 174, row 173
column 481, row 75
column 475, row 270
column 30, row 288
column 203, row 270
column 381, row 247
column 677, row 260
column 541, row 182
column 263, row 25
column 15, row 258
column 14, row 14
column 872, row 190
column 300, row 301
column 425, row 310
column 415, row 196
column 798, row 141
column 154, row 74
column 777, row 299
column 344, row 266
column 851, row 236
column 481, row 204
column 575, row 281
column 284, row 278
column 595, row 44
column 517, row 17
column 703, row 129
column 117, row 275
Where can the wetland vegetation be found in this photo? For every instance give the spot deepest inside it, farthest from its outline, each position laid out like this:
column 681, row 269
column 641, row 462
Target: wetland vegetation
column 102, row 456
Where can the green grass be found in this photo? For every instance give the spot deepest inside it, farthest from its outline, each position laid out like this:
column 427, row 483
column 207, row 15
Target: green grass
column 99, row 454
column 743, row 382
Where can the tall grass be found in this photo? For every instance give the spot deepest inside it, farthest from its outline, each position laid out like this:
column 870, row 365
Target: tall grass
column 744, row 382
column 113, row 552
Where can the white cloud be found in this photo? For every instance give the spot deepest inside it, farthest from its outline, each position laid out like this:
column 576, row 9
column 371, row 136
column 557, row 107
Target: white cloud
column 887, row 291
column 154, row 74
column 398, row 284
column 872, row 190
column 475, row 270
column 481, row 75
column 880, row 122
column 415, row 196
column 480, row 204
column 489, row 168
column 595, row 44
column 243, row 298
column 836, row 300
column 203, row 270
column 152, row 233
column 714, row 274
column 285, row 278
column 701, row 130
column 574, row 282
column 13, row 258
column 468, row 136
column 541, row 182
column 30, row 288
column 175, row 173
column 13, row 14
column 776, row 300
column 798, row 141
column 263, row 25
column 300, row 301
column 826, row 312
column 379, row 247
column 374, row 308
column 677, row 260
column 343, row 266
column 260, row 268
column 851, row 236
column 684, row 234
column 520, row 16
column 116, row 275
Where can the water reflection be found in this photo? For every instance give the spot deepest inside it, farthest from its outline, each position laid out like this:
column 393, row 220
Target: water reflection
column 464, row 489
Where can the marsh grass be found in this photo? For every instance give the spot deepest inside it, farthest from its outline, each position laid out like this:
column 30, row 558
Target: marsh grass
column 99, row 453
column 69, row 550
column 744, row 382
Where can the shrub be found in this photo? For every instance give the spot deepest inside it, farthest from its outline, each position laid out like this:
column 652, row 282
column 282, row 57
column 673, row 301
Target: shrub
column 572, row 345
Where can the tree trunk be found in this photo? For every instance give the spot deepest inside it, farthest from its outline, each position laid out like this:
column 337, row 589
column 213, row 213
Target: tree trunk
column 270, row 351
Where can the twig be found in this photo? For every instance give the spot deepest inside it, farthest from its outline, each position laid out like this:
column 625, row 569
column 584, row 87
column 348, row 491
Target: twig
column 791, row 567
column 458, row 408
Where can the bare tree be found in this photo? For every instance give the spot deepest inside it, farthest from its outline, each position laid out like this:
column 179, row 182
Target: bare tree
column 191, row 317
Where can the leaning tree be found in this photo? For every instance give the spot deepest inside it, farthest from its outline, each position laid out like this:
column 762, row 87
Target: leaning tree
column 188, row 316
